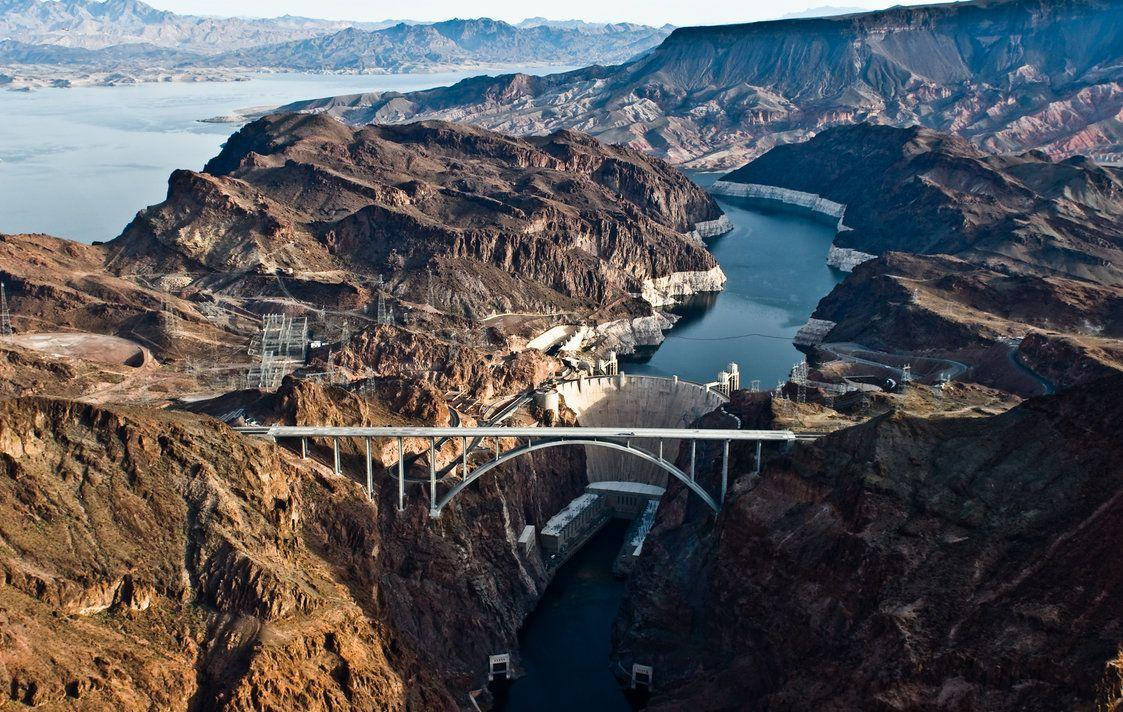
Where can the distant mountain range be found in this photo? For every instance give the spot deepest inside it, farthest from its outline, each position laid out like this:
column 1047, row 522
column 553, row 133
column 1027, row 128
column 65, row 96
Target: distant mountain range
column 94, row 24
column 404, row 48
column 1008, row 74
column 128, row 35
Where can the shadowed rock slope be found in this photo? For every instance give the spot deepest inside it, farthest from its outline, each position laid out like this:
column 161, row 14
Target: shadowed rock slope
column 158, row 560
column 902, row 564
column 1009, row 75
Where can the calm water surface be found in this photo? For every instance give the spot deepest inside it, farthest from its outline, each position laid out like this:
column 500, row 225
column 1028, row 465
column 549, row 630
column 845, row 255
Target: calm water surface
column 79, row 163
column 775, row 260
column 566, row 642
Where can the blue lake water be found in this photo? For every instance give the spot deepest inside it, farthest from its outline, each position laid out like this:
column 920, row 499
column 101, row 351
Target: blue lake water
column 775, row 261
column 79, row 163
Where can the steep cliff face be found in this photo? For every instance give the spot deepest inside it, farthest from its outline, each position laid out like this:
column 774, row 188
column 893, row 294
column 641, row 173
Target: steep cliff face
column 904, row 563
column 157, row 558
column 480, row 372
column 994, row 72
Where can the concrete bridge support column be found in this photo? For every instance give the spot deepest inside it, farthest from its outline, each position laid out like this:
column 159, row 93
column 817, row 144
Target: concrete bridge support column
column 433, row 477
column 693, row 457
column 756, row 470
column 724, row 470
column 401, row 478
column 370, row 472
column 335, row 454
column 304, row 448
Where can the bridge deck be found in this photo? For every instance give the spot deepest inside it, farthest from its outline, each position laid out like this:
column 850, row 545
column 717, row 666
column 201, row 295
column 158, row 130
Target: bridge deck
column 299, row 431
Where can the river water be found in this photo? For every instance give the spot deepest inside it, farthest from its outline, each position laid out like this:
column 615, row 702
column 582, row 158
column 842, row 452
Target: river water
column 775, row 261
column 79, row 163
column 566, row 642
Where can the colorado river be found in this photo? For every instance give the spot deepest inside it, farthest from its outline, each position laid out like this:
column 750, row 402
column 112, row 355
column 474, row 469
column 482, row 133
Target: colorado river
column 775, row 261
column 566, row 642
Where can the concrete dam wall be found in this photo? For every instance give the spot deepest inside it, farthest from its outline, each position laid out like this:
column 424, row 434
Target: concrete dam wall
column 635, row 401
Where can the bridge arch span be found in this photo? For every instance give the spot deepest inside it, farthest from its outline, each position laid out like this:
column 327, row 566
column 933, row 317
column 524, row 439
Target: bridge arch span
column 659, row 462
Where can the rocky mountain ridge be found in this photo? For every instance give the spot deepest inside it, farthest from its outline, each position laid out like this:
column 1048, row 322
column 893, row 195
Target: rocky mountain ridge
column 452, row 43
column 501, row 224
column 158, row 558
column 96, row 24
column 712, row 97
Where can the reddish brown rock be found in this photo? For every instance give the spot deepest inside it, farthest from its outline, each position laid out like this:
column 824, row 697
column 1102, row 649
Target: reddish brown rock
column 903, row 564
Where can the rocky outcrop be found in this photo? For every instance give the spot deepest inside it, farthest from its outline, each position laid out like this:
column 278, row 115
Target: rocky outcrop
column 714, row 97
column 905, row 563
column 916, row 190
column 156, row 558
column 677, row 287
column 496, row 224
column 384, row 352
column 713, row 228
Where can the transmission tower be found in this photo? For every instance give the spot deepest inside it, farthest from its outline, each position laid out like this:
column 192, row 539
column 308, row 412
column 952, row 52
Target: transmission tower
column 385, row 313
column 754, row 385
column 5, row 316
column 799, row 375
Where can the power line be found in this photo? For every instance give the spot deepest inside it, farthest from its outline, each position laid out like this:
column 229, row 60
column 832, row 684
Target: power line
column 729, row 338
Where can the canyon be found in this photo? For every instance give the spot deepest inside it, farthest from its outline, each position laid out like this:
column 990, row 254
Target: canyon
column 905, row 563
column 926, row 544
column 996, row 261
column 716, row 97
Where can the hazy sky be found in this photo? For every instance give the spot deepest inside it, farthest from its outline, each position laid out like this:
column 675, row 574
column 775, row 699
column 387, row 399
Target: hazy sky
column 652, row 12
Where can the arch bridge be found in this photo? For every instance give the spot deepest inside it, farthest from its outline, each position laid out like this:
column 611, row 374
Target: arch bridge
column 530, row 439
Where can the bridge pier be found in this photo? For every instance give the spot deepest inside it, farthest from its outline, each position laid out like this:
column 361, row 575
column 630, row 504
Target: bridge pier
column 693, row 457
column 724, row 470
column 335, row 454
column 370, row 472
column 433, row 477
column 401, row 477
column 756, row 470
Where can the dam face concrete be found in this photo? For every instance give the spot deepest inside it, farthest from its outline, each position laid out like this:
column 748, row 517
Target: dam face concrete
column 635, row 401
